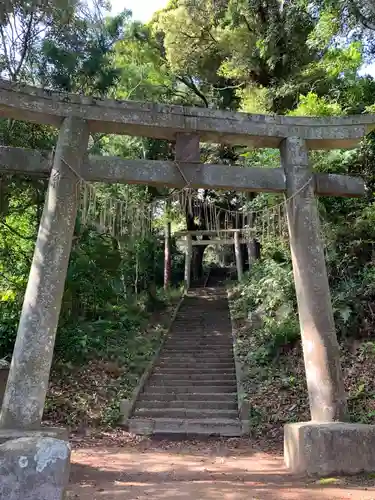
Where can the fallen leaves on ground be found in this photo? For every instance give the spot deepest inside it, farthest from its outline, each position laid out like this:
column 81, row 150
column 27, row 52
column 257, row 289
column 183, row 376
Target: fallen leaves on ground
column 85, row 398
column 277, row 390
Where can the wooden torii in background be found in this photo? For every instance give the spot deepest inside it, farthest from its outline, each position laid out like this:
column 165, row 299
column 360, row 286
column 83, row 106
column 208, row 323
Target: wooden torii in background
column 76, row 117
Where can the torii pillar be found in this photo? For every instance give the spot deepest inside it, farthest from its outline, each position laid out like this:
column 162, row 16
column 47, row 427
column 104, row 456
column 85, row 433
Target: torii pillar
column 187, row 151
column 238, row 254
column 321, row 445
column 319, row 341
column 26, row 390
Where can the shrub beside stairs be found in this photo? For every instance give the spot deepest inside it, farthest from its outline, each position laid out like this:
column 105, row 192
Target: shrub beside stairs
column 192, row 389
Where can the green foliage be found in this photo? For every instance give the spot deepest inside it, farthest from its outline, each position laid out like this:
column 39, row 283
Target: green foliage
column 102, row 364
column 352, row 280
column 313, row 105
column 267, row 299
column 325, row 30
column 114, row 334
column 295, row 58
column 10, row 309
column 78, row 58
column 143, row 74
column 251, row 46
column 255, row 99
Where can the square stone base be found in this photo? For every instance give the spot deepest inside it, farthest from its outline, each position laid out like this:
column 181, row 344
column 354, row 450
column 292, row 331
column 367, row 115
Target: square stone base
column 34, row 468
column 329, row 449
column 52, row 432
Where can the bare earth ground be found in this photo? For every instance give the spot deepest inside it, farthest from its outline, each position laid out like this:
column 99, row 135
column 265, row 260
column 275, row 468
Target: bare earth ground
column 128, row 469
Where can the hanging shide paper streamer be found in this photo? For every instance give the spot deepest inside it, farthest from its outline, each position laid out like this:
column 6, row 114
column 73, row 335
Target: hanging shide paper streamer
column 125, row 217
column 129, row 217
column 264, row 223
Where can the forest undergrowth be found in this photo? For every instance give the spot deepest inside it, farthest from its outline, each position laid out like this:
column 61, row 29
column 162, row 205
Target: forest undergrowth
column 85, row 392
column 309, row 59
column 264, row 311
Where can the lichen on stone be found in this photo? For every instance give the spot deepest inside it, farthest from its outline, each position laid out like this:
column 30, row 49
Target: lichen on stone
column 49, row 450
column 23, row 462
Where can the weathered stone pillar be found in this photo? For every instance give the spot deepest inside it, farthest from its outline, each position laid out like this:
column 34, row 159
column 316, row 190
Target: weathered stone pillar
column 237, row 251
column 187, row 148
column 29, row 372
column 188, row 151
column 319, row 341
column 188, row 256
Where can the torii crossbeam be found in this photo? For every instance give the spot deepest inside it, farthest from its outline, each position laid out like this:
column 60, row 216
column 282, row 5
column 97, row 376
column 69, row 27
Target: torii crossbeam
column 165, row 173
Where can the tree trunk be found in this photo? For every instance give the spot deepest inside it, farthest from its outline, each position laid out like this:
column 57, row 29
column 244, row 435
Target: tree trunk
column 151, row 282
column 253, row 246
column 253, row 252
column 197, row 262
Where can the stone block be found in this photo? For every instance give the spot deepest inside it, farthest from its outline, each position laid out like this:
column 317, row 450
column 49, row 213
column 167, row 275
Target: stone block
column 34, row 468
column 51, row 432
column 187, row 148
column 126, row 407
column 329, row 449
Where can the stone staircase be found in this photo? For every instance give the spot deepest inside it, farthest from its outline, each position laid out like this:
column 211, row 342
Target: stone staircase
column 192, row 389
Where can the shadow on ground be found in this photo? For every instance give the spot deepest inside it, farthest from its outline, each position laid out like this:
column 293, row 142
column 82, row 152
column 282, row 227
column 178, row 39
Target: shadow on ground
column 197, row 471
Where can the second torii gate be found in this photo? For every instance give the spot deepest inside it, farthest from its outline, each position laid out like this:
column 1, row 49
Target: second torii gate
column 308, row 446
column 231, row 237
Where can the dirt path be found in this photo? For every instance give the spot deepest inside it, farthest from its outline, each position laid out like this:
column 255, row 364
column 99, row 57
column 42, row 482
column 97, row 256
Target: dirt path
column 212, row 470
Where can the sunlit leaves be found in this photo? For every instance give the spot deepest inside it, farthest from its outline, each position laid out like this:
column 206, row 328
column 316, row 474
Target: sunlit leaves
column 325, row 30
column 313, row 105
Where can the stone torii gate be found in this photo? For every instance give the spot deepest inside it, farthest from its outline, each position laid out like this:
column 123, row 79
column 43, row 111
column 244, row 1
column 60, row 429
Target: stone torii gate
column 231, row 237
column 324, row 445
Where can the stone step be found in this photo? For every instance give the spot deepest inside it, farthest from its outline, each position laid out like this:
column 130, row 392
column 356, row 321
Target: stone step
column 203, row 356
column 212, row 327
column 193, row 364
column 202, row 340
column 196, row 395
column 191, row 389
column 178, row 371
column 205, row 342
column 186, row 331
column 231, row 404
column 183, row 381
column 203, row 325
column 202, row 350
column 206, row 326
column 224, row 342
column 209, row 341
column 194, row 346
column 202, row 316
column 197, row 351
column 198, row 345
column 205, row 427
column 185, row 413
column 196, row 362
column 204, row 378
